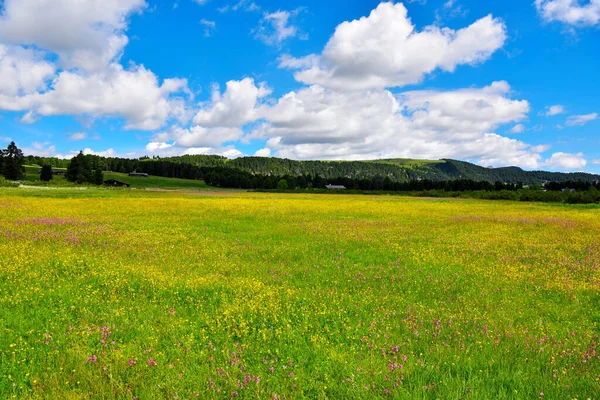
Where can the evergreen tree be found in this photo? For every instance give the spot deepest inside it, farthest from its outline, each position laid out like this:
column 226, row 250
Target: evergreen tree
column 80, row 170
column 98, row 177
column 12, row 163
column 46, row 173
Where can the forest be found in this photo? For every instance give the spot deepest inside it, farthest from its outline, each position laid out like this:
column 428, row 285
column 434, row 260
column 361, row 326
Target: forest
column 269, row 169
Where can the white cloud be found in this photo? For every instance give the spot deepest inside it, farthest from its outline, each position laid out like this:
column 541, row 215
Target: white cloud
column 105, row 153
column 133, row 94
column 570, row 12
column 554, row 110
column 198, row 136
column 23, row 71
column 29, row 118
column 200, row 2
column 209, row 27
column 77, row 136
column 566, row 161
column 45, row 149
column 320, row 123
column 84, row 34
column 596, row 162
column 87, row 38
column 263, row 153
column 465, row 110
column 239, row 104
column 310, row 61
column 246, row 5
column 274, row 28
column 519, row 128
column 580, row 120
column 386, row 50
column 172, row 150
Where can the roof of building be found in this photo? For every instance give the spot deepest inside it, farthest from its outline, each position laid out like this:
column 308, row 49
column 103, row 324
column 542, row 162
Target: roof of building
column 335, row 187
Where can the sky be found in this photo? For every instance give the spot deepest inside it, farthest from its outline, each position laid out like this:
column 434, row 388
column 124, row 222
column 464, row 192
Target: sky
column 497, row 83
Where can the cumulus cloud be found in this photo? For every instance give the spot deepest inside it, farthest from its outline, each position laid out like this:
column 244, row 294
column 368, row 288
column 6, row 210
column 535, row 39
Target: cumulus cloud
column 263, row 153
column 106, row 153
column 385, row 50
column 566, row 161
column 554, row 110
column 23, row 71
column 580, row 120
column 86, row 34
column 571, row 12
column 172, row 150
column 239, row 104
column 86, row 39
column 45, row 149
column 218, row 121
column 320, row 123
column 134, row 94
column 197, row 136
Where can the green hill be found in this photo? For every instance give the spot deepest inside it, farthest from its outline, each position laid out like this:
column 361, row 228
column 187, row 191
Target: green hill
column 158, row 182
column 400, row 170
column 193, row 167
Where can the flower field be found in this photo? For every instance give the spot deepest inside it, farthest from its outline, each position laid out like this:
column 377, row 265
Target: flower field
column 104, row 294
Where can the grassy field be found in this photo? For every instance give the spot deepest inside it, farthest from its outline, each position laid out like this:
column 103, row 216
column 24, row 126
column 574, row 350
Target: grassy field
column 120, row 294
column 407, row 162
column 32, row 174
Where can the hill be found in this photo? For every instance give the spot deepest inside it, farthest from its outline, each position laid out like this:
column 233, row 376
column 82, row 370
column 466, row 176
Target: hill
column 398, row 170
column 152, row 182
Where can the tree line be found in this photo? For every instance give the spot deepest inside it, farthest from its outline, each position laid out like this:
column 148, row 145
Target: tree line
column 220, row 172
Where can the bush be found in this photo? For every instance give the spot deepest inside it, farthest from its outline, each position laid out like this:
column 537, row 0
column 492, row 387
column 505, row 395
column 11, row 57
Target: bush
column 282, row 185
column 5, row 183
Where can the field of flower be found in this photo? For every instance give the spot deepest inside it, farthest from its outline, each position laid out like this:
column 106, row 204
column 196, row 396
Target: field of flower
column 114, row 294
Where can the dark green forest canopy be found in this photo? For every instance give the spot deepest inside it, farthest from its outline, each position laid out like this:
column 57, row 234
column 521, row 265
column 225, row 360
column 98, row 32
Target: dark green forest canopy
column 398, row 170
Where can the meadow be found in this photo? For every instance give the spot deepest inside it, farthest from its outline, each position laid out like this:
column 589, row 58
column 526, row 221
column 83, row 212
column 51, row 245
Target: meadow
column 117, row 294
column 32, row 176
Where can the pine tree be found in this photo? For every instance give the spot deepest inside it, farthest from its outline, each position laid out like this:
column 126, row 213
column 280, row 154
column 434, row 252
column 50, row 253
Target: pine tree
column 46, row 173
column 98, row 177
column 12, row 163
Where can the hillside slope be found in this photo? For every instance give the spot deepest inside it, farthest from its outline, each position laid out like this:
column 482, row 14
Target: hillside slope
column 400, row 170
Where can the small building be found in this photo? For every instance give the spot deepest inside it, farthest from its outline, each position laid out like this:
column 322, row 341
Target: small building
column 58, row 172
column 138, row 174
column 336, row 187
column 116, row 183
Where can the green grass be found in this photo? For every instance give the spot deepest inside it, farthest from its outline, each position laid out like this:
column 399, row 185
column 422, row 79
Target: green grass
column 407, row 162
column 112, row 294
column 156, row 182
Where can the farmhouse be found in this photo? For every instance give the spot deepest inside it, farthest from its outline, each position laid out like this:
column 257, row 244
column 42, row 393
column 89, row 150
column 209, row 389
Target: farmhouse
column 138, row 174
column 116, row 183
column 336, row 187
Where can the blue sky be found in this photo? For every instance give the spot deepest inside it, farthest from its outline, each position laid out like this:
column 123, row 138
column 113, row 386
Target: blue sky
column 496, row 83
